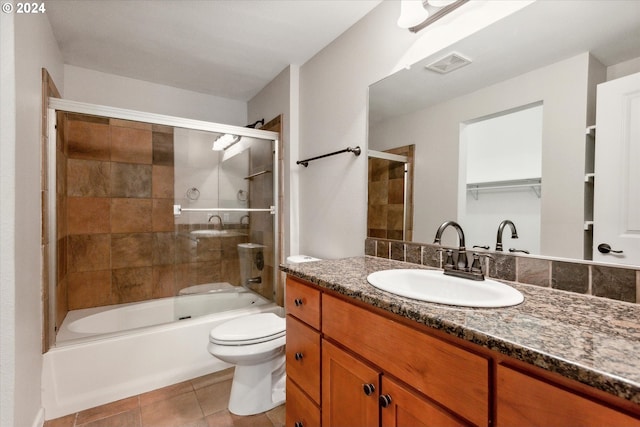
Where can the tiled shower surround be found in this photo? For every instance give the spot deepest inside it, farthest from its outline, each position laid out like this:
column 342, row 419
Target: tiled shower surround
column 117, row 241
column 618, row 283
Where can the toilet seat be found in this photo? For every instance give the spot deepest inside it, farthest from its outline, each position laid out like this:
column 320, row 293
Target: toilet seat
column 247, row 330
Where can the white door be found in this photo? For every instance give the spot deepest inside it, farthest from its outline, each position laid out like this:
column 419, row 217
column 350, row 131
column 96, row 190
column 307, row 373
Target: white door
column 616, row 211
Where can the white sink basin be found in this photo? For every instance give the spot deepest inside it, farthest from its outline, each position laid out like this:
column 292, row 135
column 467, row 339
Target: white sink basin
column 435, row 286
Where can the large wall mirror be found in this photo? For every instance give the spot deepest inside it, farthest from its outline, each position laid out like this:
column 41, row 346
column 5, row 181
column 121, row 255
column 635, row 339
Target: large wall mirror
column 509, row 135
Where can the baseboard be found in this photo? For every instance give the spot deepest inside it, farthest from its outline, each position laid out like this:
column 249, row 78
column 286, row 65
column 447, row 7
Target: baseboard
column 39, row 420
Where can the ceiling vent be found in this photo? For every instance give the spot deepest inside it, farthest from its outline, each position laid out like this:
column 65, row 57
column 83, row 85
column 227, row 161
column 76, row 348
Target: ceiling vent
column 451, row 62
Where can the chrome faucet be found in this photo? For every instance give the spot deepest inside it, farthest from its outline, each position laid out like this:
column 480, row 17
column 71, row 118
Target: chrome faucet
column 219, row 220
column 503, row 224
column 460, row 267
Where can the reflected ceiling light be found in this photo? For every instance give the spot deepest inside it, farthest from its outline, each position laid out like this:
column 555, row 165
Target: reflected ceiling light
column 417, row 14
column 412, row 13
column 224, row 141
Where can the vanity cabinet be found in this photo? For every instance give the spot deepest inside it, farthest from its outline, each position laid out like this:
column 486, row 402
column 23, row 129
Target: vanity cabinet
column 303, row 354
column 351, row 364
column 524, row 399
column 356, row 394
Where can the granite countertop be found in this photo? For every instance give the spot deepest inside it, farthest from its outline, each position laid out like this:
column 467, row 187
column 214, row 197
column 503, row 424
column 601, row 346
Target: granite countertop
column 593, row 340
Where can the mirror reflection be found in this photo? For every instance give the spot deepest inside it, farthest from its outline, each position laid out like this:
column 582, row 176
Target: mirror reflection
column 537, row 173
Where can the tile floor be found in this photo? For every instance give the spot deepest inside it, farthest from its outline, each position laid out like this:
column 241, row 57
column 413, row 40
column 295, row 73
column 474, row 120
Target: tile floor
column 201, row 402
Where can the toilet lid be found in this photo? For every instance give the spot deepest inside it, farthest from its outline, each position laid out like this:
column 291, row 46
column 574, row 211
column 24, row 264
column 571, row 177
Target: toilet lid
column 252, row 329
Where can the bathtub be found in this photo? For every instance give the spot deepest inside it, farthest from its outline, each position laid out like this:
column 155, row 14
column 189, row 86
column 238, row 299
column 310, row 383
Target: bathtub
column 109, row 353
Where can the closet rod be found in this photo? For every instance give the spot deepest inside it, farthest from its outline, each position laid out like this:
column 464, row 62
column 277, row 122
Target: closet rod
column 355, row 150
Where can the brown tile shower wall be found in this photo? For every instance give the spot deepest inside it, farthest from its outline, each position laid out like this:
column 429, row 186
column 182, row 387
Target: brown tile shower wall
column 119, row 212
column 618, row 283
column 386, row 199
column 61, row 224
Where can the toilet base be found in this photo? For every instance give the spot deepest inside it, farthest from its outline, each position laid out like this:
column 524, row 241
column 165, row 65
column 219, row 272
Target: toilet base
column 258, row 388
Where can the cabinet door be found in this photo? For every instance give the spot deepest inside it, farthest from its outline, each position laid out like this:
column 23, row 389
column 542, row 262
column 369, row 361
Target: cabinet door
column 408, row 409
column 301, row 411
column 344, row 400
column 525, row 400
column 303, row 357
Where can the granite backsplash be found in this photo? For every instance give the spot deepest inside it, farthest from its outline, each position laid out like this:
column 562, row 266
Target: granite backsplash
column 608, row 281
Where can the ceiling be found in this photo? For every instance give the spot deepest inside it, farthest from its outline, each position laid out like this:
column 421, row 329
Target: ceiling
column 225, row 48
column 537, row 35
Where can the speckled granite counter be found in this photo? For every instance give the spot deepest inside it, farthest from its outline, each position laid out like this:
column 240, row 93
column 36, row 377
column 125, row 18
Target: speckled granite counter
column 595, row 341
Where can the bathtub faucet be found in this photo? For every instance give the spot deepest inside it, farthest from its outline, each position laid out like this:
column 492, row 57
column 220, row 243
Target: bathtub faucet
column 219, row 220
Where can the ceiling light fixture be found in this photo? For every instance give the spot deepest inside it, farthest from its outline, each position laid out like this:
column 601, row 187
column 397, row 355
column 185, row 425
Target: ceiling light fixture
column 418, row 14
column 224, row 141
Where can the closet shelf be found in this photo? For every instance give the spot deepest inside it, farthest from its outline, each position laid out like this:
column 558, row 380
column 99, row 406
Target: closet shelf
column 534, row 183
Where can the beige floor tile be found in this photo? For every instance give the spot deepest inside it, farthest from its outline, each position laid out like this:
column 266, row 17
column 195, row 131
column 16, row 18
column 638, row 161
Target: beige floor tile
column 176, row 411
column 215, row 397
column 66, row 421
column 107, row 410
column 165, row 393
column 216, row 377
column 124, row 419
column 227, row 419
column 278, row 416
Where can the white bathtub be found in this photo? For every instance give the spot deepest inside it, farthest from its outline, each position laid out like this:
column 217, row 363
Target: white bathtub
column 109, row 353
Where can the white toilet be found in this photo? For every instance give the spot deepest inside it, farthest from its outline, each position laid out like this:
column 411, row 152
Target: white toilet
column 255, row 344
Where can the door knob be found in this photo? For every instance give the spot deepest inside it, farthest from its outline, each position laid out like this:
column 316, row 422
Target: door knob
column 298, row 356
column 605, row 248
column 297, row 302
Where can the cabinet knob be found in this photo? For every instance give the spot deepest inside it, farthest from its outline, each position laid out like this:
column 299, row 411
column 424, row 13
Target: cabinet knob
column 298, row 356
column 298, row 424
column 369, row 389
column 297, row 302
column 385, row 400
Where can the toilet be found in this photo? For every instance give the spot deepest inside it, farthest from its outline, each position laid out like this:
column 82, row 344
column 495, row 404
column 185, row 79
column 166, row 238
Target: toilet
column 255, row 345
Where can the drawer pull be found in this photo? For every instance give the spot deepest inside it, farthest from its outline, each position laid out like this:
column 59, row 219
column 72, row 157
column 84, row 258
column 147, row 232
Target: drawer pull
column 297, row 302
column 385, row 400
column 369, row 389
column 298, row 356
column 298, row 424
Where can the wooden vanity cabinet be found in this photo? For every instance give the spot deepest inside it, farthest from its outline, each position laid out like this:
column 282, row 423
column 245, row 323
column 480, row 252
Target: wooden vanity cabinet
column 361, row 367
column 356, row 394
column 525, row 400
column 302, row 351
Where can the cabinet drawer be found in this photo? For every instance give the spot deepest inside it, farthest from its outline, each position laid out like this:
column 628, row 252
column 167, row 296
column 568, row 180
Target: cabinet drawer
column 452, row 376
column 303, row 357
column 526, row 400
column 303, row 302
column 300, row 409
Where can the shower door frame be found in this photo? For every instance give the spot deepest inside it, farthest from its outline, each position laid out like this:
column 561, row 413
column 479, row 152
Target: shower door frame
column 68, row 106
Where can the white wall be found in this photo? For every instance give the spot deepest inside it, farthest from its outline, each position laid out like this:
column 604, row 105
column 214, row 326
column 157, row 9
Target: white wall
column 280, row 96
column 35, row 48
column 506, row 147
column 333, row 116
column 94, row 87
